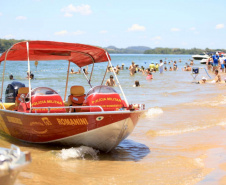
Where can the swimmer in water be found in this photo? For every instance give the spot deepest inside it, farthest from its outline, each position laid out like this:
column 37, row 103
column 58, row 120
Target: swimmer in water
column 203, row 81
column 149, row 77
column 137, row 84
column 11, row 77
column 110, row 82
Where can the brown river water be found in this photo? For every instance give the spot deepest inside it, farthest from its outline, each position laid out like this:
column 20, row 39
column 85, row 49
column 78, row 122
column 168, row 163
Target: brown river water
column 180, row 140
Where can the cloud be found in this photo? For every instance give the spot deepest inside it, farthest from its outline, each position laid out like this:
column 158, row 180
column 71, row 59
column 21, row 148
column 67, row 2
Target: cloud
column 78, row 32
column 9, row 36
column 82, row 9
column 137, row 27
column 192, row 29
column 157, row 38
column 103, row 31
column 64, row 32
column 21, row 18
column 219, row 26
column 175, row 29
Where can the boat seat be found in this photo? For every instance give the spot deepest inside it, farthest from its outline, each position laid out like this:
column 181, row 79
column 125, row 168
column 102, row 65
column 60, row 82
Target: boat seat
column 77, row 95
column 22, row 90
column 45, row 101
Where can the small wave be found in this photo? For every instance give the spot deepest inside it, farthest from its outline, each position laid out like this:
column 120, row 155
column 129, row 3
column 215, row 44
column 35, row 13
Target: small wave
column 78, row 152
column 152, row 112
column 219, row 100
column 181, row 131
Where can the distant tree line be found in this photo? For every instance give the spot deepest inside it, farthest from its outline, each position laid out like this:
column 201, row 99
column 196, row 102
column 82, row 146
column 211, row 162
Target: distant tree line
column 6, row 44
column 180, row 51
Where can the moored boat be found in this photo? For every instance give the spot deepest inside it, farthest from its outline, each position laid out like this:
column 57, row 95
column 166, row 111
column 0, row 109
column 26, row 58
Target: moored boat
column 100, row 118
column 200, row 56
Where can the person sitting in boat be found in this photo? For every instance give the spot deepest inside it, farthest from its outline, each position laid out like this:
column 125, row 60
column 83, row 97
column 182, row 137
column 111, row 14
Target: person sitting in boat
column 110, row 82
column 137, row 84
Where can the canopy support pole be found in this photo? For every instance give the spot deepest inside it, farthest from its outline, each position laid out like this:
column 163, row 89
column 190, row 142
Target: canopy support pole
column 117, row 80
column 105, row 74
column 3, row 74
column 29, row 71
column 65, row 94
column 91, row 72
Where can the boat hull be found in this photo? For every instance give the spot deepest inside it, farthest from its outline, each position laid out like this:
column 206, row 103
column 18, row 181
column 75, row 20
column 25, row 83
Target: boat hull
column 100, row 130
column 200, row 57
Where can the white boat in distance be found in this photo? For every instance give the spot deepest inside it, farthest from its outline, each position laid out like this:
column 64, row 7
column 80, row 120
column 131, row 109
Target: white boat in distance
column 200, row 56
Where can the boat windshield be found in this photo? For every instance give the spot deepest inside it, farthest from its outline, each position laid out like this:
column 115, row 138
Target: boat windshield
column 102, row 89
column 39, row 91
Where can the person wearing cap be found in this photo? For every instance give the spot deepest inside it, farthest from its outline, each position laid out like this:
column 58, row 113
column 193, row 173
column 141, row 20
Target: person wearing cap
column 110, row 82
column 132, row 68
column 215, row 61
column 203, row 81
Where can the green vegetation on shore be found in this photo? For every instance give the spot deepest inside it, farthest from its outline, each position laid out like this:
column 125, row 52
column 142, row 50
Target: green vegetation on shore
column 180, row 51
column 5, row 44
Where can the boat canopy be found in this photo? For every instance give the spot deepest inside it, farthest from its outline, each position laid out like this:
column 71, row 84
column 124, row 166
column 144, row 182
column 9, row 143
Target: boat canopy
column 79, row 54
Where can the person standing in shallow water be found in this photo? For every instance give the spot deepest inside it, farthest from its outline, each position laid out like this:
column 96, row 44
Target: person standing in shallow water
column 161, row 67
column 132, row 68
column 110, row 82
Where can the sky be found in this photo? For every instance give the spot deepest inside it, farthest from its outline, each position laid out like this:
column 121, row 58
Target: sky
column 120, row 23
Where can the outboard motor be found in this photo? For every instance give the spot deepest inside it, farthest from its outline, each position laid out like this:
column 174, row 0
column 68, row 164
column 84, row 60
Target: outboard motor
column 12, row 91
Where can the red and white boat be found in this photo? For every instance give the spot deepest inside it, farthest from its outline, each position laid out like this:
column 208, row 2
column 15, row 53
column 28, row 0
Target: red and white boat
column 100, row 118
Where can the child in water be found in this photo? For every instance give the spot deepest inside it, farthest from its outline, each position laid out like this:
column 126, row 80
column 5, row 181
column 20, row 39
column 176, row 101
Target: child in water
column 149, row 77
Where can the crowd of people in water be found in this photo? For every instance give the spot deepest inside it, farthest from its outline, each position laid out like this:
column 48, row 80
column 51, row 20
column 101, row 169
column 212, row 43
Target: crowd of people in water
column 215, row 63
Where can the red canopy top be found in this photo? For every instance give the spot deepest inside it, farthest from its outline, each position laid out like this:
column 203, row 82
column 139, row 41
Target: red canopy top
column 79, row 54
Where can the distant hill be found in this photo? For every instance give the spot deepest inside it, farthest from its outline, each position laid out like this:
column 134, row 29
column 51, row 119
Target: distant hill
column 138, row 48
column 128, row 50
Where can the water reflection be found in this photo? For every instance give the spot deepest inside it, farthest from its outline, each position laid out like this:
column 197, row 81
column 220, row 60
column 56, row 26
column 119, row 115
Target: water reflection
column 127, row 150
